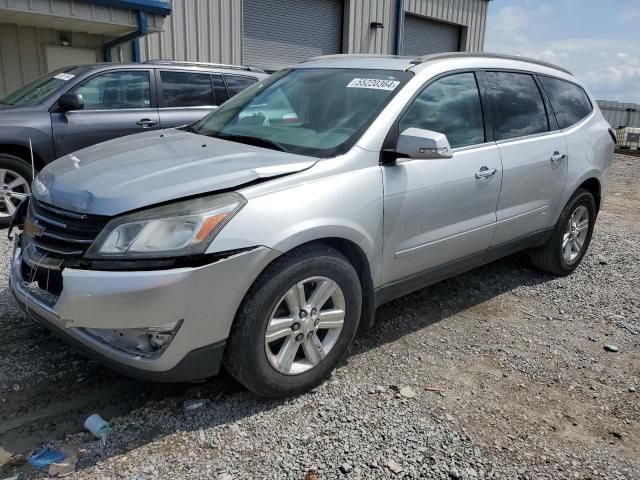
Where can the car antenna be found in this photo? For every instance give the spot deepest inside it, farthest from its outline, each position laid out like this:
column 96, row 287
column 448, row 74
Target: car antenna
column 33, row 170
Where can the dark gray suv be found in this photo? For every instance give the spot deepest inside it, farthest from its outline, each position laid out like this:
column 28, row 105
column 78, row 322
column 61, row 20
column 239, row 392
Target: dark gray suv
column 79, row 106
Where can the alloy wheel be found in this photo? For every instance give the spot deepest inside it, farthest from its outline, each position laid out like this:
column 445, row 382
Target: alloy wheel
column 13, row 188
column 575, row 233
column 305, row 325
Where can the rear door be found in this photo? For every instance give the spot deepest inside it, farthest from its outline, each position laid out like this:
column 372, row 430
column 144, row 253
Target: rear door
column 534, row 155
column 440, row 211
column 116, row 103
column 184, row 97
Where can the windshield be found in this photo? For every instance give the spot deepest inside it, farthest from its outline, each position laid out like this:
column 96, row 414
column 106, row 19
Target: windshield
column 319, row 112
column 40, row 89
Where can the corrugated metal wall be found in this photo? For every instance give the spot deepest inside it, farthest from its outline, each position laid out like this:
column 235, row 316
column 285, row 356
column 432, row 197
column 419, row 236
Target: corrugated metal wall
column 70, row 9
column 211, row 31
column 361, row 38
column 275, row 35
column 22, row 52
column 198, row 31
column 620, row 114
column 423, row 36
column 469, row 13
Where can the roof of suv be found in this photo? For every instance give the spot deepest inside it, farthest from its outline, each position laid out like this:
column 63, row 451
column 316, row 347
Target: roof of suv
column 394, row 62
column 177, row 65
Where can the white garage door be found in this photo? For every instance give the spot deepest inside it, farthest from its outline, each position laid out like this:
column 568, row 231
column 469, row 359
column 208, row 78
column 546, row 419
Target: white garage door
column 423, row 36
column 279, row 33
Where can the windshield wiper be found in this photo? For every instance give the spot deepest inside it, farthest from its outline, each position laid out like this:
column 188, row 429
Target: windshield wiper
column 249, row 140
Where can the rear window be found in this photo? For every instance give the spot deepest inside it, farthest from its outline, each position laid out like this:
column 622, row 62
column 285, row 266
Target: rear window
column 570, row 103
column 519, row 105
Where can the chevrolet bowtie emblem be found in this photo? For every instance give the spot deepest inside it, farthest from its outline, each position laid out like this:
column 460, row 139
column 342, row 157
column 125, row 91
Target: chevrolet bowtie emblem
column 32, row 228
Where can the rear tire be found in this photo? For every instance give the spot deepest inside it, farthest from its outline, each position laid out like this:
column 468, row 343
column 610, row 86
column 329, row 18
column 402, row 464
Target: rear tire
column 570, row 238
column 275, row 318
column 15, row 179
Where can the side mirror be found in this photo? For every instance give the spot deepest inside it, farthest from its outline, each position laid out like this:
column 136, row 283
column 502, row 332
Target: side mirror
column 70, row 101
column 423, row 144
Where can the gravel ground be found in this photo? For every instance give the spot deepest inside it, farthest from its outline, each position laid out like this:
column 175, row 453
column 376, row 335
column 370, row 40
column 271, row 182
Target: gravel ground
column 529, row 390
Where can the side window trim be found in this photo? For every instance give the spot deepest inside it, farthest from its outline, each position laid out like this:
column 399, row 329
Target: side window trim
column 552, row 120
column 152, row 88
column 489, row 114
column 224, row 80
column 217, row 100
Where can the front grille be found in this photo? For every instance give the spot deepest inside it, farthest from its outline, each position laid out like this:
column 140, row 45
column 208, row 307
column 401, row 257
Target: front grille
column 55, row 237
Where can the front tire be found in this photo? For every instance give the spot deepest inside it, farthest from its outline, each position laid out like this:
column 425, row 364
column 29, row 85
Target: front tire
column 570, row 238
column 296, row 322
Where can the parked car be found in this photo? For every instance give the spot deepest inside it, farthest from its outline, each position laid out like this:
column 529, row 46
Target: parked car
column 263, row 246
column 79, row 106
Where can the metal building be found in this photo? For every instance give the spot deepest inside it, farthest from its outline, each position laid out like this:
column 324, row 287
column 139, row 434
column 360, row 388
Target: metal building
column 37, row 36
column 273, row 34
column 620, row 115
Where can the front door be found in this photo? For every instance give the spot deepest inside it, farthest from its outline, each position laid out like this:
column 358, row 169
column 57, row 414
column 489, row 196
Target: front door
column 534, row 156
column 116, row 103
column 439, row 211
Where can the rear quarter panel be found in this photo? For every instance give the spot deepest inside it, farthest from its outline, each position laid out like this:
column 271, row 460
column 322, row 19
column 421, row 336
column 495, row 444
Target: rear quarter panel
column 590, row 155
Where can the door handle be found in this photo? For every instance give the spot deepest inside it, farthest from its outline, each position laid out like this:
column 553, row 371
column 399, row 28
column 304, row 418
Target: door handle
column 485, row 172
column 557, row 156
column 146, row 123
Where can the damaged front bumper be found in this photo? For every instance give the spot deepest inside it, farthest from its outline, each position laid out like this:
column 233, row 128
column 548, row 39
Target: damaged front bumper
column 163, row 325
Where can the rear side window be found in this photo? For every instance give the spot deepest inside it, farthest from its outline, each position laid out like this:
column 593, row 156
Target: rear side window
column 569, row 102
column 518, row 104
column 185, row 89
column 451, row 106
column 116, row 91
column 236, row 83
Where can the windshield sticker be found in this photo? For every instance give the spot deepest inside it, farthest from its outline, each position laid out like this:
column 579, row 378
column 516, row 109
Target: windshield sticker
column 374, row 83
column 64, row 76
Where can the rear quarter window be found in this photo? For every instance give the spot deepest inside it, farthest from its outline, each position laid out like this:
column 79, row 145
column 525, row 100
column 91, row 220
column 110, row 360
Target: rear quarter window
column 570, row 102
column 237, row 83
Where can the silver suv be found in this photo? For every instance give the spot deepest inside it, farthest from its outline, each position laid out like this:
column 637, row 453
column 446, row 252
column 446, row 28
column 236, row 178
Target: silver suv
column 261, row 237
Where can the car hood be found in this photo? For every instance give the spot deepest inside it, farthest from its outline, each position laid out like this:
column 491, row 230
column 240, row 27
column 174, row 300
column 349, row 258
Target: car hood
column 154, row 167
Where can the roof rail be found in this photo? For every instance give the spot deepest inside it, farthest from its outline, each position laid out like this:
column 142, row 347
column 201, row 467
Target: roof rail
column 442, row 56
column 204, row 64
column 351, row 55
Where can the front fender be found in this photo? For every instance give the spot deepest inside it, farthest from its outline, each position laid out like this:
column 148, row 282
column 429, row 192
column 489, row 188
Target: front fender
column 36, row 129
column 347, row 206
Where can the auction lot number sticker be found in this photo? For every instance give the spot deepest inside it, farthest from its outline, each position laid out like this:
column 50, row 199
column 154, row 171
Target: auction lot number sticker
column 374, row 83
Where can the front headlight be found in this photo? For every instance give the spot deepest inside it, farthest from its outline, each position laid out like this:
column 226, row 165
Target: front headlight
column 176, row 229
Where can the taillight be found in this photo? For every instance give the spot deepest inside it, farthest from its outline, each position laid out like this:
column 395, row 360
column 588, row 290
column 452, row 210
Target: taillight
column 612, row 132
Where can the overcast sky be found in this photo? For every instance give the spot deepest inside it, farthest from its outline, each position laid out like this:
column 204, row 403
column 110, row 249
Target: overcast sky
column 599, row 41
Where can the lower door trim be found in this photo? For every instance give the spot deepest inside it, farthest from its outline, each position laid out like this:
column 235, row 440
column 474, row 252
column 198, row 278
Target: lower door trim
column 404, row 286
